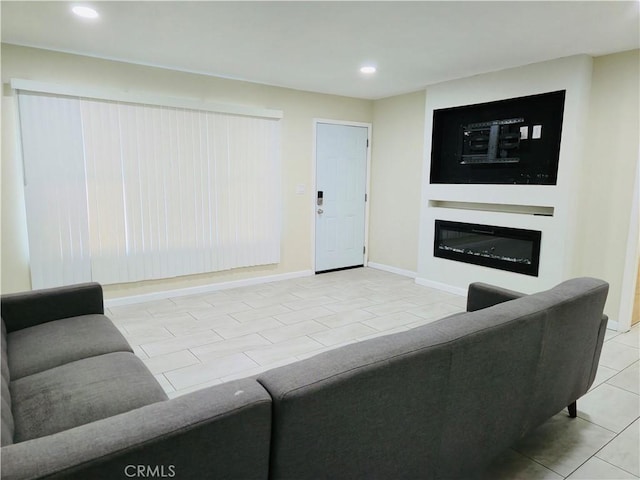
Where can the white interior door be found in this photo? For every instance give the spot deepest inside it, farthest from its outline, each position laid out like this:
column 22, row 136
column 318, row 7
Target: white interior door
column 341, row 178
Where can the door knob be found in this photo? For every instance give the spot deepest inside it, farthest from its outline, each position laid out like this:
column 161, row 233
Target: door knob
column 320, row 210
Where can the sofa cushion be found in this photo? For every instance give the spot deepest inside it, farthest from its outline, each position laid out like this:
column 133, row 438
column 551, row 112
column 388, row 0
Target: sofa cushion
column 81, row 392
column 35, row 349
column 5, row 396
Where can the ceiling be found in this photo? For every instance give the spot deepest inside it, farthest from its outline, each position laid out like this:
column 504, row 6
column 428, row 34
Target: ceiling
column 320, row 46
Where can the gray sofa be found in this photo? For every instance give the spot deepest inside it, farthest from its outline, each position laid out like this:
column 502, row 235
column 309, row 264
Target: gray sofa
column 77, row 403
column 439, row 401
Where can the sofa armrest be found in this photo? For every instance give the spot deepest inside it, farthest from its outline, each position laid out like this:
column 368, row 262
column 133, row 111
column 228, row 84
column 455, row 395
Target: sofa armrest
column 219, row 432
column 22, row 310
column 482, row 295
column 599, row 344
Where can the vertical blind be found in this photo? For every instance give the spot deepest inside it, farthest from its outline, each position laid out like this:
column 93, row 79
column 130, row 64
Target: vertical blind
column 119, row 192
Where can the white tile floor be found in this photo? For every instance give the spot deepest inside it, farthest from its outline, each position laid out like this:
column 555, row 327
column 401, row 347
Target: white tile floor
column 197, row 341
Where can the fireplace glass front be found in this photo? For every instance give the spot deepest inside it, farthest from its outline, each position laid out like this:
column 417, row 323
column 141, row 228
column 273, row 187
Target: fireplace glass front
column 511, row 249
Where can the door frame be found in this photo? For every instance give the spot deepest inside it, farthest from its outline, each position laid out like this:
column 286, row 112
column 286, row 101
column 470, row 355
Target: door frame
column 368, row 126
column 630, row 275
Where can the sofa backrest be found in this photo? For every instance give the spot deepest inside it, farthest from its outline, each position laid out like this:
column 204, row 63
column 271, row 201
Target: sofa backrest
column 368, row 410
column 515, row 365
column 6, row 425
column 574, row 330
column 441, row 400
column 220, row 432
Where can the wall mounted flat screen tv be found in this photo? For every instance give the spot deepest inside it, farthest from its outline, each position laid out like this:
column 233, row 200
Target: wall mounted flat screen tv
column 514, row 141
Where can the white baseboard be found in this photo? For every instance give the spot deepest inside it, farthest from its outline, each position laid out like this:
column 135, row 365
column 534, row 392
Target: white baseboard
column 613, row 325
column 442, row 286
column 388, row 268
column 420, row 281
column 212, row 287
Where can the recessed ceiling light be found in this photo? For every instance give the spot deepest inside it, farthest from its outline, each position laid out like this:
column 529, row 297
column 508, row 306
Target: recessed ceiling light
column 368, row 69
column 85, row 12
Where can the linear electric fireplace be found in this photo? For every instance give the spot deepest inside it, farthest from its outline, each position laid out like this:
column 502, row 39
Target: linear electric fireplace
column 511, row 249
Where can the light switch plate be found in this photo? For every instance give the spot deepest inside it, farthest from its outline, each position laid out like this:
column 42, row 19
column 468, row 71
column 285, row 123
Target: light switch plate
column 301, row 188
column 537, row 131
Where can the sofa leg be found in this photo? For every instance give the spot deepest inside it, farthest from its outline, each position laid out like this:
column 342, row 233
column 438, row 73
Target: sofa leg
column 573, row 410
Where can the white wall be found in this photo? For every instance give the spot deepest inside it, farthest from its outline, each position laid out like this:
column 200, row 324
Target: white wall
column 572, row 74
column 397, row 149
column 596, row 175
column 609, row 166
column 299, row 110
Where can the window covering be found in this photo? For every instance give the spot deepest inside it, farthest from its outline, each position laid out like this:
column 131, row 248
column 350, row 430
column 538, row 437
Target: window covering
column 120, row 192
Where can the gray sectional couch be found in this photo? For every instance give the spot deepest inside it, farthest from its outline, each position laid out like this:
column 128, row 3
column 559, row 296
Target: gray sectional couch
column 438, row 401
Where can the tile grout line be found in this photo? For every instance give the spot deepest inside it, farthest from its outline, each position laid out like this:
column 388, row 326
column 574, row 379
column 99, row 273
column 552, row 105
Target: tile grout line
column 595, row 455
column 615, row 375
column 601, row 426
